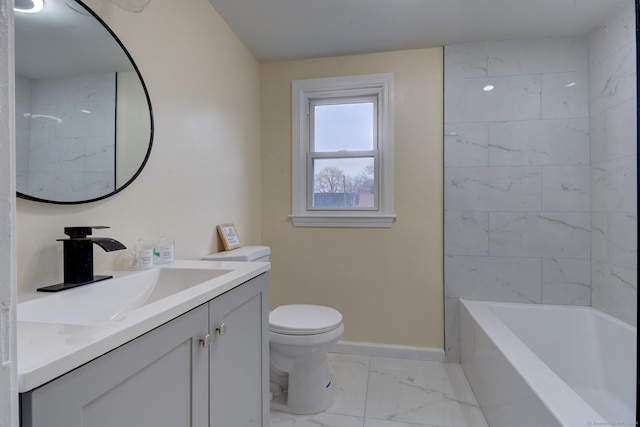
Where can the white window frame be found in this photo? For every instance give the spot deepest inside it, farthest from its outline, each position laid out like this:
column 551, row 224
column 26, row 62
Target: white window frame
column 303, row 93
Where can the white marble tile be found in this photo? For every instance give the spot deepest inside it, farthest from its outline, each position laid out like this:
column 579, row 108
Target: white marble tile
column 41, row 185
column 613, row 288
column 494, row 278
column 82, row 185
column 599, row 244
column 566, row 188
column 466, row 233
column 100, row 154
column 323, row 419
column 394, row 383
column 622, row 239
column 539, row 142
column 566, row 281
column 621, row 130
column 613, row 185
column 543, row 234
column 512, row 98
column 349, row 375
column 422, row 393
column 613, row 80
column 493, row 188
column 621, row 26
column 513, row 57
column 598, row 134
column 465, row 60
column 597, row 45
column 466, row 144
column 565, row 95
column 383, row 423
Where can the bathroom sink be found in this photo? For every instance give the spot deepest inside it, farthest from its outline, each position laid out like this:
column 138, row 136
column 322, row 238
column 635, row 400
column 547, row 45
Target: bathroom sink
column 110, row 299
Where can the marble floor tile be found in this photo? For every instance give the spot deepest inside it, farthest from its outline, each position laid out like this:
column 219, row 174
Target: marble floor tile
column 350, row 376
column 323, row 419
column 383, row 392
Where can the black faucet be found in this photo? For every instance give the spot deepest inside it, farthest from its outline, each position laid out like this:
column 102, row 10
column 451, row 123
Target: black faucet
column 78, row 257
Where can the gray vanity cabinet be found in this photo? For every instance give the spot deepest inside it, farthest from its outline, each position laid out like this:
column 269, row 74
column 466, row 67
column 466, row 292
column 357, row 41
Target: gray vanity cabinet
column 183, row 373
column 239, row 368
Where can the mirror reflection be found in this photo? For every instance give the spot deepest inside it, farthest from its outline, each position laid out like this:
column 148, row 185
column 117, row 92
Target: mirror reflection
column 83, row 116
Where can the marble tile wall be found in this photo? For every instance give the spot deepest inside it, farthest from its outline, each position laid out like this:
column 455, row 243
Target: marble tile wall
column 541, row 172
column 517, row 174
column 612, row 70
column 64, row 152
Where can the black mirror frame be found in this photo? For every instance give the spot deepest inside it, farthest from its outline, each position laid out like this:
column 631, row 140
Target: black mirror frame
column 151, row 127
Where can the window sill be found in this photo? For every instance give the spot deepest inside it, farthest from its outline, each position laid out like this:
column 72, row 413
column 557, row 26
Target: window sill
column 363, row 221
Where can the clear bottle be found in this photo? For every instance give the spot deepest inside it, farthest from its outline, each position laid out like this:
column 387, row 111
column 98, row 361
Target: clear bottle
column 144, row 255
column 163, row 251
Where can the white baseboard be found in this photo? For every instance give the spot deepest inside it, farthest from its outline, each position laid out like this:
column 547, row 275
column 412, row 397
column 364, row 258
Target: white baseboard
column 389, row 350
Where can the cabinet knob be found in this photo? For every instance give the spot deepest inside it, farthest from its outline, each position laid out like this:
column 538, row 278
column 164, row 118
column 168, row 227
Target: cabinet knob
column 222, row 329
column 206, row 341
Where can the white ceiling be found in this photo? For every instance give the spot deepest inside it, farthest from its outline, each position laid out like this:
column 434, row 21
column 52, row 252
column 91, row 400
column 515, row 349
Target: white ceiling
column 276, row 30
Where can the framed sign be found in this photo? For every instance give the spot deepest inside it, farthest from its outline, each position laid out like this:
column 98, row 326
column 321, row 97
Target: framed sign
column 229, row 236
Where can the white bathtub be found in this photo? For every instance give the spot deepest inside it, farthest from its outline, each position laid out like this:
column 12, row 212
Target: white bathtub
column 546, row 365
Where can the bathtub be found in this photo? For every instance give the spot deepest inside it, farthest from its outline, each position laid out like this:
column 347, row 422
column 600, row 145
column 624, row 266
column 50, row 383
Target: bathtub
column 547, row 365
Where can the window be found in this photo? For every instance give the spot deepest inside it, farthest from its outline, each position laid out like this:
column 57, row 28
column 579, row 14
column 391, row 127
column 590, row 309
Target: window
column 343, row 152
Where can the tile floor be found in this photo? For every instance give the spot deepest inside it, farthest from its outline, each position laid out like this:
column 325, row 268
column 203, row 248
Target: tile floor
column 381, row 392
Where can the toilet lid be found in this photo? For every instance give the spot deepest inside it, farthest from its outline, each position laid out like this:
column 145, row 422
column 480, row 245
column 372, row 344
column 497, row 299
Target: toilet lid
column 303, row 319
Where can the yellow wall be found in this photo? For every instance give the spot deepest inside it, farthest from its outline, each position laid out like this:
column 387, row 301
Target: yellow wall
column 388, row 283
column 204, row 168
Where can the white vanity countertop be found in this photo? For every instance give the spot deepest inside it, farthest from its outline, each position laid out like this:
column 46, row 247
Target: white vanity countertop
column 46, row 350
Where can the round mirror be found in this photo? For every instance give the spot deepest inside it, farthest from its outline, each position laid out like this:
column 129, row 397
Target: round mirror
column 84, row 125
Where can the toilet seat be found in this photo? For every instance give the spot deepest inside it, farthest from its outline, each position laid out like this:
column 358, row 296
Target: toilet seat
column 304, row 319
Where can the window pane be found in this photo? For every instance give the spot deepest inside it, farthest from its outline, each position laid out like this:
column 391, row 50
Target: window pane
column 343, row 183
column 344, row 127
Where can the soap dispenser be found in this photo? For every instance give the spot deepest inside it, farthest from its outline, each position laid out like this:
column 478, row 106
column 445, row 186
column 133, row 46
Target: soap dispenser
column 163, row 251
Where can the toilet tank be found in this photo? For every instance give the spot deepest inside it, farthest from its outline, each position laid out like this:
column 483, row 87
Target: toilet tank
column 245, row 253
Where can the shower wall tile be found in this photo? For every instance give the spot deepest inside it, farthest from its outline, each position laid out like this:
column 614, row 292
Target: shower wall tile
column 613, row 80
column 614, row 165
column 622, row 245
column 466, row 144
column 100, row 154
column 566, row 281
column 517, row 156
column 513, row 98
column 539, row 142
column 598, row 126
column 599, row 245
column 565, row 95
column 494, row 278
column 466, row 233
column 554, row 55
column 621, row 27
column 621, row 130
column 493, row 188
column 466, row 60
column 597, row 45
column 614, row 290
column 80, row 136
column 566, row 188
column 613, row 185
column 542, row 235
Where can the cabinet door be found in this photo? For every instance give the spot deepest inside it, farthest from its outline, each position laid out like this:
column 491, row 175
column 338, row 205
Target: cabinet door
column 239, row 364
column 159, row 379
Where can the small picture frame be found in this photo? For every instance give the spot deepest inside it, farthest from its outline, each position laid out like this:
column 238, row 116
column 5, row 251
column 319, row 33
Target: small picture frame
column 229, row 236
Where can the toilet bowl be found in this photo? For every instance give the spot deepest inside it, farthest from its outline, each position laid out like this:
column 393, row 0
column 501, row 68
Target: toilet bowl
column 300, row 336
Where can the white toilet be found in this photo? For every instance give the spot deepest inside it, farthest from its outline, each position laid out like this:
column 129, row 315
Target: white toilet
column 300, row 336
